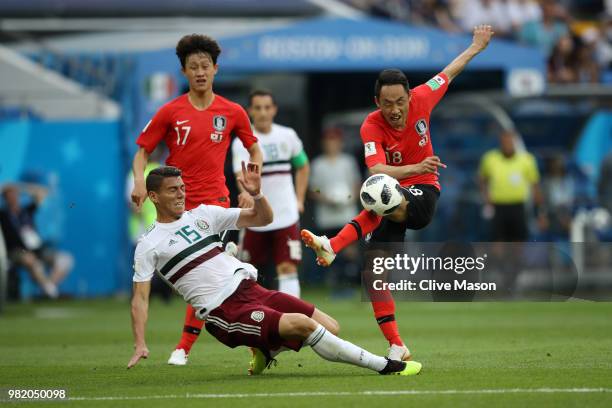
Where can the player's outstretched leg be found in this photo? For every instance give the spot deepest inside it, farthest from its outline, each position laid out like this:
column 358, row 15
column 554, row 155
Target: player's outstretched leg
column 332, row 348
column 326, row 249
column 319, row 244
column 384, row 311
column 383, row 306
column 364, row 223
column 191, row 330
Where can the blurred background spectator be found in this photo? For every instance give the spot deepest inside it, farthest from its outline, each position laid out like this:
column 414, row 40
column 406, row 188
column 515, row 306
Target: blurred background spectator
column 559, row 190
column 509, row 178
column 335, row 181
column 25, row 246
column 492, row 12
column 545, row 33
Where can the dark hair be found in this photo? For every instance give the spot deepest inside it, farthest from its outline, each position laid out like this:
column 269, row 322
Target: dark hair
column 390, row 77
column 156, row 176
column 195, row 43
column 261, row 92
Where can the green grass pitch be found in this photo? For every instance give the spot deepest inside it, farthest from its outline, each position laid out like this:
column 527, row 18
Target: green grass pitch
column 474, row 354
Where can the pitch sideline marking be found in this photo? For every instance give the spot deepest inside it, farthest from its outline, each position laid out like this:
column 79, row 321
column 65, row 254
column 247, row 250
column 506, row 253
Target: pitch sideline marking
column 347, row 394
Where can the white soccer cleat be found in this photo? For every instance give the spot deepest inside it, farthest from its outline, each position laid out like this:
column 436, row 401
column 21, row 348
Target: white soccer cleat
column 178, row 357
column 321, row 246
column 399, row 353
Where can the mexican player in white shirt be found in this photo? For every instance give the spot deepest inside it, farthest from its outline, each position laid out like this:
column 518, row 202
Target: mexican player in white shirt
column 183, row 248
column 282, row 150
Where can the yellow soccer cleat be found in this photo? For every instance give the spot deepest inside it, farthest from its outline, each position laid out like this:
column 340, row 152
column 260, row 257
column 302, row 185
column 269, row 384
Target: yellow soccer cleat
column 412, row 368
column 395, row 367
column 260, row 361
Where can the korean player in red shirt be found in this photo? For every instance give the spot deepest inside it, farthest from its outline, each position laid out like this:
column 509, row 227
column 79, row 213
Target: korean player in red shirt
column 397, row 142
column 197, row 127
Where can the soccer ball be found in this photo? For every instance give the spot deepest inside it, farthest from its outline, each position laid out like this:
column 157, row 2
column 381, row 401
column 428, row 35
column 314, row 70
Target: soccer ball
column 381, row 193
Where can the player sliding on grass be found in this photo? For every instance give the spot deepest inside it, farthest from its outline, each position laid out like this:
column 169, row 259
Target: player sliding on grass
column 183, row 247
column 397, row 143
column 197, row 127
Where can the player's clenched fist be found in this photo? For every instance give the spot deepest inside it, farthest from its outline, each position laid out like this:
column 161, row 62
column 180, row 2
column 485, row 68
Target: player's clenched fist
column 430, row 165
column 482, row 36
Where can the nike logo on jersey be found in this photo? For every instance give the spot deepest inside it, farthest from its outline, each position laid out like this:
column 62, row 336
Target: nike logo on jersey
column 180, row 122
column 392, row 147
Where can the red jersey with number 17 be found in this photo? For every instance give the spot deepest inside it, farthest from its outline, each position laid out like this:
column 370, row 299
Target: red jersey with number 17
column 385, row 145
column 198, row 141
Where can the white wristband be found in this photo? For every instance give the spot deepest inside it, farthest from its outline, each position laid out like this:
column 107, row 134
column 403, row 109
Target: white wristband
column 258, row 196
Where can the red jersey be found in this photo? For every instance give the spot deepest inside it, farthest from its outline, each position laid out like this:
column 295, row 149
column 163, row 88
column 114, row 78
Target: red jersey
column 411, row 145
column 198, row 142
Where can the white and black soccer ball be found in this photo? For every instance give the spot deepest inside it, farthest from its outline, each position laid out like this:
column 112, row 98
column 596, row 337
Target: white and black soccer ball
column 381, row 193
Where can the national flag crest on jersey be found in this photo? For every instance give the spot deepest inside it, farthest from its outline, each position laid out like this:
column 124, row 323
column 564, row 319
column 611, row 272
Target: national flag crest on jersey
column 421, row 127
column 219, row 123
column 202, row 225
column 435, row 82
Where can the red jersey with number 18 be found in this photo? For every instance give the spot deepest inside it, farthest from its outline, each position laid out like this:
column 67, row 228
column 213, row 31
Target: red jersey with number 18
column 385, row 145
column 198, row 141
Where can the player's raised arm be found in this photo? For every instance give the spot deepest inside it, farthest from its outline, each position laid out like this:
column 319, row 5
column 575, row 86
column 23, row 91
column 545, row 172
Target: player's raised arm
column 261, row 213
column 482, row 36
column 255, row 155
column 139, row 192
column 140, row 312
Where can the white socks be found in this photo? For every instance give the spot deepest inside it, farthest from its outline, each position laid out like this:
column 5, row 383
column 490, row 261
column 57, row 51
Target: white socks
column 333, row 348
column 289, row 284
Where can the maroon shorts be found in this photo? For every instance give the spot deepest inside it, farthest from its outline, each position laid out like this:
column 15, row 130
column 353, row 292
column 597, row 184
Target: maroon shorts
column 283, row 244
column 250, row 316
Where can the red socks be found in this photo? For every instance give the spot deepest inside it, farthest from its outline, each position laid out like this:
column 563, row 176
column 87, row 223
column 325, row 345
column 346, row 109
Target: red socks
column 191, row 330
column 364, row 223
column 384, row 310
column 385, row 317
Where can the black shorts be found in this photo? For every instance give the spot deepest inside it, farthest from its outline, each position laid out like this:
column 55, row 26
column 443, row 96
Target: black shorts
column 422, row 200
column 510, row 223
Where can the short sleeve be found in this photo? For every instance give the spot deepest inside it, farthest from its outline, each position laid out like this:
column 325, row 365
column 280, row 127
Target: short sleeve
column 296, row 144
column 155, row 130
column 372, row 136
column 430, row 93
column 531, row 172
column 220, row 218
column 144, row 263
column 242, row 128
column 239, row 154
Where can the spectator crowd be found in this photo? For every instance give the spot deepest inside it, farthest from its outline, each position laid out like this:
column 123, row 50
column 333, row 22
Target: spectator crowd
column 575, row 36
